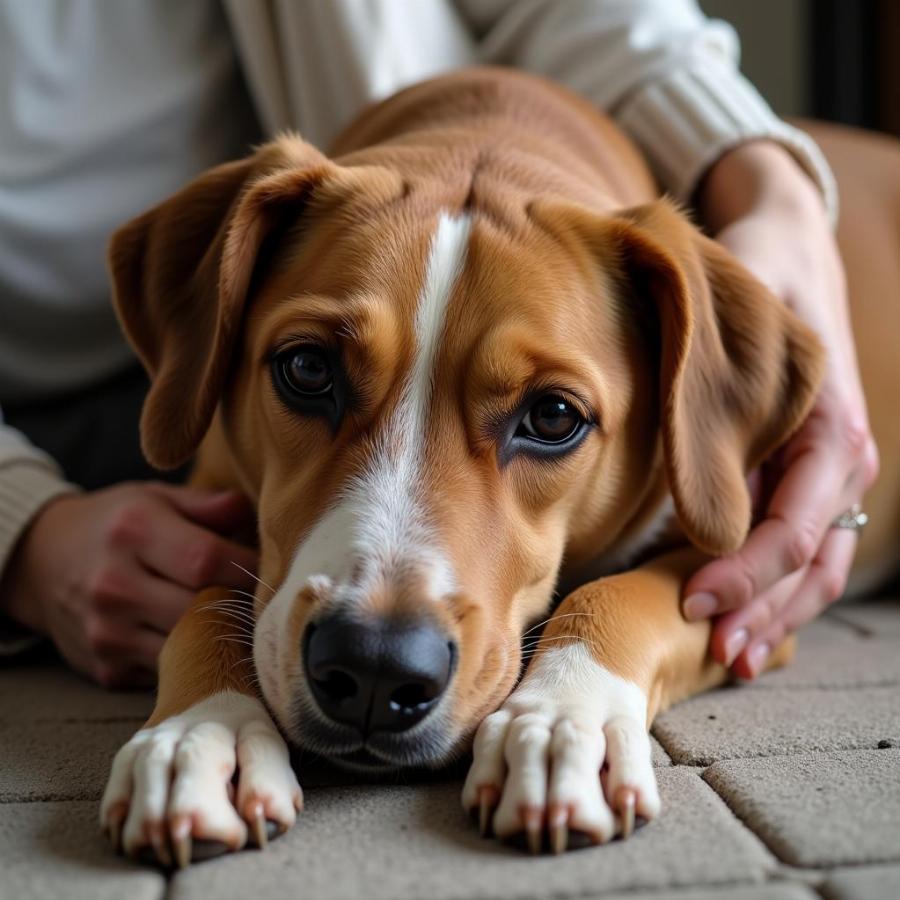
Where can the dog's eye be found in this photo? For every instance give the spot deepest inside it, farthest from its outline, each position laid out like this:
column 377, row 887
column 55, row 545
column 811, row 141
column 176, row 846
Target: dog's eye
column 306, row 371
column 551, row 420
column 307, row 379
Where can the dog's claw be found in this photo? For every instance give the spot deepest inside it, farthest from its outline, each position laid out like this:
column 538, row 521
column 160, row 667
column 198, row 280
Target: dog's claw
column 259, row 827
column 180, row 831
column 626, row 800
column 488, row 797
column 115, row 819
column 160, row 847
column 115, row 835
column 558, row 826
column 532, row 817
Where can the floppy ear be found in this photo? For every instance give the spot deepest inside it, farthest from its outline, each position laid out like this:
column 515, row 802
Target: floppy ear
column 181, row 273
column 738, row 372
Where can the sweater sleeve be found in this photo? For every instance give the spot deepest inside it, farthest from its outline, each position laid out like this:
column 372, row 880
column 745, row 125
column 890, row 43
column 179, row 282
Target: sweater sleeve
column 665, row 72
column 28, row 480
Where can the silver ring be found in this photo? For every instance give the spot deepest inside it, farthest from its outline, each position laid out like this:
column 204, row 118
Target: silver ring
column 854, row 519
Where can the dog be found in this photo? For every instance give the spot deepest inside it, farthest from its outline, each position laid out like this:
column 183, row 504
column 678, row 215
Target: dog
column 468, row 358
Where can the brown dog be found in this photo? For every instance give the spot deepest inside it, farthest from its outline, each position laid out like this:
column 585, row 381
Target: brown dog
column 471, row 357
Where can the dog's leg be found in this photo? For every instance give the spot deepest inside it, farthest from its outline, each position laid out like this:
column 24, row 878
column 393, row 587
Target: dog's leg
column 569, row 750
column 210, row 767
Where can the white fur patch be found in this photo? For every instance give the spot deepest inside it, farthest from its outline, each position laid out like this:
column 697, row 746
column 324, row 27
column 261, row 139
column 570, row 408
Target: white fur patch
column 543, row 749
column 379, row 526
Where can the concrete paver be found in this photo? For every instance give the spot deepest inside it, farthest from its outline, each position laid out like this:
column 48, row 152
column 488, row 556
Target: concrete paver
column 659, row 755
column 734, row 722
column 406, row 843
column 58, row 761
column 877, row 618
column 818, row 809
column 854, row 663
column 826, row 630
column 49, row 692
column 864, row 883
column 54, row 851
column 742, row 892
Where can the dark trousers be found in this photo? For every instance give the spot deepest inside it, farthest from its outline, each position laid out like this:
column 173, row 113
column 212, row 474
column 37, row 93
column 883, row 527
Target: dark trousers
column 94, row 433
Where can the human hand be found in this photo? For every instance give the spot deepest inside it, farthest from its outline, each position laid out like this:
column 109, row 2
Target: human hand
column 763, row 208
column 106, row 575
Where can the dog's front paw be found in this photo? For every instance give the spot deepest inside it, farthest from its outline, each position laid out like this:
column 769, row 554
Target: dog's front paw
column 567, row 757
column 172, row 793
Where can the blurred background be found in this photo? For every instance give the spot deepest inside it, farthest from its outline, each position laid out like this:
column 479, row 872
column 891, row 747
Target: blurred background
column 831, row 59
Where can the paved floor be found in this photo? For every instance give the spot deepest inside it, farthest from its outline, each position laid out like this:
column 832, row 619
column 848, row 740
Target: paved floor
column 782, row 790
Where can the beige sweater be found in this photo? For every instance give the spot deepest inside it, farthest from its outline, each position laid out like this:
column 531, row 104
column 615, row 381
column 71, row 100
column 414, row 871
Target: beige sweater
column 664, row 71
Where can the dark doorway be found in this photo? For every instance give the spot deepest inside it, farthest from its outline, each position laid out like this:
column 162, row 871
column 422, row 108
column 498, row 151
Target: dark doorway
column 856, row 62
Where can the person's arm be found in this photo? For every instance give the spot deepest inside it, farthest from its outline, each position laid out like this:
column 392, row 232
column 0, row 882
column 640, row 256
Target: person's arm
column 665, row 72
column 29, row 480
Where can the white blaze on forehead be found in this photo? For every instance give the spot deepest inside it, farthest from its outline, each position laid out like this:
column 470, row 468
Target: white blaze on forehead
column 391, row 528
column 380, row 525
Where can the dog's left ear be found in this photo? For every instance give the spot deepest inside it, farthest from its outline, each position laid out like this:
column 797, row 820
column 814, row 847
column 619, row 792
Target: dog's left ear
column 738, row 372
column 181, row 273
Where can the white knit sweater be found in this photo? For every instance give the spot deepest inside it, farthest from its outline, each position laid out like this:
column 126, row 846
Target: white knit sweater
column 665, row 72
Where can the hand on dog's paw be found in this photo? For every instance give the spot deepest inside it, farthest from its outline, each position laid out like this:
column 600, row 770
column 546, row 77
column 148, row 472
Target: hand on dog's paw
column 566, row 759
column 171, row 794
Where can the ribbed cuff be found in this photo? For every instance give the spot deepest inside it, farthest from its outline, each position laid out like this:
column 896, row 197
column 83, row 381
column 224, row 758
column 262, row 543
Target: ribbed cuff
column 25, row 487
column 686, row 120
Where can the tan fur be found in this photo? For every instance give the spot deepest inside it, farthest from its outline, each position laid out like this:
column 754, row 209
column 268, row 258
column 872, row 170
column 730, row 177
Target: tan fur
column 576, row 275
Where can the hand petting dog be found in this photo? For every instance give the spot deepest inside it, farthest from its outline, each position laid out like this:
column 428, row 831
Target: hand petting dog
column 106, row 575
column 767, row 212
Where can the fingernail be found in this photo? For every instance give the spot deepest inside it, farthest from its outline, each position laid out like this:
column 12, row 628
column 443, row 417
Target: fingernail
column 757, row 657
column 734, row 644
column 700, row 606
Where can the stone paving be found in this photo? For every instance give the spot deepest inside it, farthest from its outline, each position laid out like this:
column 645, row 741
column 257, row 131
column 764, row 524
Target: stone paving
column 787, row 789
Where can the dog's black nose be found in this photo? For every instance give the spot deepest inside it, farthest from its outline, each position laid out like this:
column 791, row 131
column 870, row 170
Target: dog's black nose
column 382, row 676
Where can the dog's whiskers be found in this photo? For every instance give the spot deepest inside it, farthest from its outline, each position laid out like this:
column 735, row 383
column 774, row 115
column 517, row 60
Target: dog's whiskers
column 231, row 602
column 254, row 577
column 233, row 613
column 235, row 621
column 552, row 618
column 250, row 678
column 245, row 593
column 234, row 617
column 539, row 645
column 233, row 639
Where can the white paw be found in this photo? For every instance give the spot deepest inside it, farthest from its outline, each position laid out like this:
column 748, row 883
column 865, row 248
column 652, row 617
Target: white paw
column 172, row 785
column 568, row 752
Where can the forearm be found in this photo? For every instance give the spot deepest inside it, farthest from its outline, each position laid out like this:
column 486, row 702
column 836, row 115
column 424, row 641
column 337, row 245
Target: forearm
column 29, row 480
column 756, row 176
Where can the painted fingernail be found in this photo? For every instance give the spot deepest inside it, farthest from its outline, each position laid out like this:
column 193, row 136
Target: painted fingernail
column 734, row 643
column 756, row 658
column 700, row 606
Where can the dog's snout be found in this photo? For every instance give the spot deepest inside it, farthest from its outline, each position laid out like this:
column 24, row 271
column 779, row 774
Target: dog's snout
column 377, row 677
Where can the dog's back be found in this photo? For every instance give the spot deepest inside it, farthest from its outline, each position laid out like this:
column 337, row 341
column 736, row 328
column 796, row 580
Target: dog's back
column 528, row 132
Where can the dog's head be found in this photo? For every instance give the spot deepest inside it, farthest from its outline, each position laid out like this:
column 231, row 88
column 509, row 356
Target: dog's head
column 434, row 391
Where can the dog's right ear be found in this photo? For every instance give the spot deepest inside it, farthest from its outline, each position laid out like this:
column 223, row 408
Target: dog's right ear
column 180, row 275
